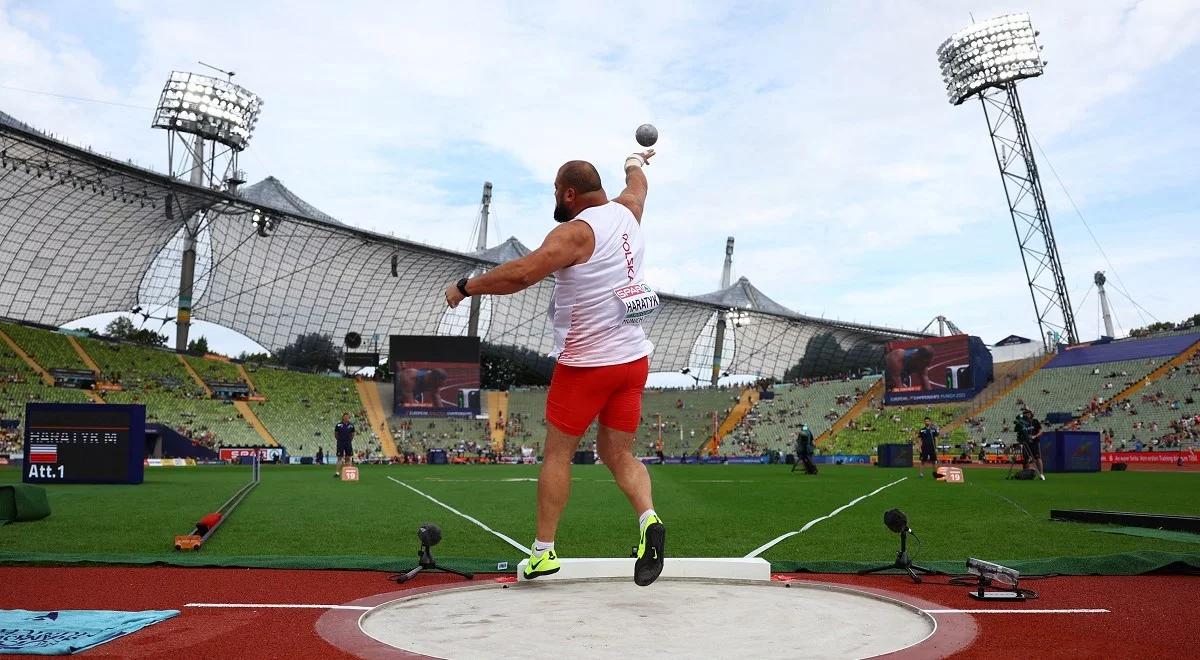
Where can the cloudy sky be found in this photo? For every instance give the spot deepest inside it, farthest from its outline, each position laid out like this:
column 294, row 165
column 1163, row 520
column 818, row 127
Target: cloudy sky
column 817, row 135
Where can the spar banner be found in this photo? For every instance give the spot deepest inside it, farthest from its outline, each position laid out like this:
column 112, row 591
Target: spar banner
column 235, row 454
column 1188, row 457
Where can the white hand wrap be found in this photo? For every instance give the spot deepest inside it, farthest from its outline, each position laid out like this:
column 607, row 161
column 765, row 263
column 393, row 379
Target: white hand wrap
column 635, row 160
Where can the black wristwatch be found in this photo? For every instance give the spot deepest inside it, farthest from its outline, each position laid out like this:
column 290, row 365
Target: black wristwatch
column 462, row 287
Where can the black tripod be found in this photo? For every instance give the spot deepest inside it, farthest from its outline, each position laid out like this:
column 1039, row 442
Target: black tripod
column 903, row 563
column 426, row 561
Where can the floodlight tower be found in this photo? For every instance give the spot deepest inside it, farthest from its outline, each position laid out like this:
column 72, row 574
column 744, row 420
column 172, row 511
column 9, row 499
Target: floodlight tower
column 726, row 274
column 986, row 60
column 209, row 121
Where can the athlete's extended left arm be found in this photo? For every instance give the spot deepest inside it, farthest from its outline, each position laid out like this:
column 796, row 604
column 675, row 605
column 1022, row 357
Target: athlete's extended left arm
column 564, row 246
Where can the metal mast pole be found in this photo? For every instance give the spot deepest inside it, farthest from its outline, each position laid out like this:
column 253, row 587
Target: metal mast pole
column 726, row 273
column 1108, row 326
column 1027, row 207
column 480, row 244
column 187, row 269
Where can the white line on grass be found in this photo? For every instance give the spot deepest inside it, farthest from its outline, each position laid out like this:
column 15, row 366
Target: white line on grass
column 1079, row 611
column 451, row 509
column 770, row 544
column 281, row 606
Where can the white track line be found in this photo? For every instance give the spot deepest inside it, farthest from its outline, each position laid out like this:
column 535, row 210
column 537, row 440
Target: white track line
column 451, row 509
column 281, row 606
column 1080, row 611
column 770, row 544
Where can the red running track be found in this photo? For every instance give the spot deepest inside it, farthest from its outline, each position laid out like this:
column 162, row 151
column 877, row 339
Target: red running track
column 1150, row 616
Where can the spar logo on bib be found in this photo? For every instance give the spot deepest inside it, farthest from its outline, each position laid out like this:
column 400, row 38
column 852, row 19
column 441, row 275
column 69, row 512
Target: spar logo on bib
column 640, row 302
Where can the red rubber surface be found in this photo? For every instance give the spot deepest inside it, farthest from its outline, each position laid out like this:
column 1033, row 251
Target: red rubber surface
column 1150, row 616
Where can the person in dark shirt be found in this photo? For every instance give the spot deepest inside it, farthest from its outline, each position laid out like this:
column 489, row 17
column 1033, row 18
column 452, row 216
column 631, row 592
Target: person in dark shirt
column 804, row 450
column 344, row 434
column 1029, row 435
column 927, row 435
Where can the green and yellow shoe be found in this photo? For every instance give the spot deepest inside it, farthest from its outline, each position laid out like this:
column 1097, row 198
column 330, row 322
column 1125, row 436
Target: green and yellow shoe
column 545, row 563
column 650, row 552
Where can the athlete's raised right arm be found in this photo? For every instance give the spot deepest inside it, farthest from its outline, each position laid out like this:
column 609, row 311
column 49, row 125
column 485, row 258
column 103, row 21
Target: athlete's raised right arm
column 636, row 186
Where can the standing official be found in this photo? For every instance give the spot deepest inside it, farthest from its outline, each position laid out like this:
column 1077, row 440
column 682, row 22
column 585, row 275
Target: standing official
column 344, row 434
column 927, row 435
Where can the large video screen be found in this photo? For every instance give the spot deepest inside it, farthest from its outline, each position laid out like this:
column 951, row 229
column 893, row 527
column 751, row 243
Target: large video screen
column 435, row 376
column 935, row 369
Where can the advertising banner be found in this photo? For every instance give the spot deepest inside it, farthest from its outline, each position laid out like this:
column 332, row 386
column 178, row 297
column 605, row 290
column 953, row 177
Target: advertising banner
column 265, row 454
column 1188, row 457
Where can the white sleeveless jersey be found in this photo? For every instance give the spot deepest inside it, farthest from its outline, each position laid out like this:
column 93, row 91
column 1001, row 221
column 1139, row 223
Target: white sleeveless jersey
column 599, row 305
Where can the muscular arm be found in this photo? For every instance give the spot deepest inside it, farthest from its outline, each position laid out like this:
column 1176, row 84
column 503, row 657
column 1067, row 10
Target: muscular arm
column 565, row 245
column 634, row 195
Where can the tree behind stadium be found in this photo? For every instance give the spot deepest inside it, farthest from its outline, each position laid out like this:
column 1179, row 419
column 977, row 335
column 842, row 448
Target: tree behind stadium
column 311, row 352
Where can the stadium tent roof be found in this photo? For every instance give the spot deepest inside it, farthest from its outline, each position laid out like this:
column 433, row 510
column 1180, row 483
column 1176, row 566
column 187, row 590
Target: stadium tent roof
column 506, row 251
column 271, row 192
column 82, row 234
column 9, row 120
column 744, row 295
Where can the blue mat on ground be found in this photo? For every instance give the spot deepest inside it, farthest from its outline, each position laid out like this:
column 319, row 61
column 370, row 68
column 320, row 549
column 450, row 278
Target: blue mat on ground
column 64, row 632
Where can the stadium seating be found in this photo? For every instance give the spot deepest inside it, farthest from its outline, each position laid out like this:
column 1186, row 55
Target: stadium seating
column 214, row 370
column 459, row 436
column 1151, row 412
column 207, row 421
column 49, row 349
column 895, row 424
column 20, row 385
column 773, row 423
column 526, row 417
column 687, row 420
column 1064, row 389
column 139, row 367
column 301, row 409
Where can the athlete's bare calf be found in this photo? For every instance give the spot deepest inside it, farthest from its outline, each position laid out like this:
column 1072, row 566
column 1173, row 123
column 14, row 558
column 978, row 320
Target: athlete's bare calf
column 554, row 480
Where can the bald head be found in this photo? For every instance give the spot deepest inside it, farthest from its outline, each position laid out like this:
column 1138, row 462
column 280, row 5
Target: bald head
column 576, row 187
column 580, row 175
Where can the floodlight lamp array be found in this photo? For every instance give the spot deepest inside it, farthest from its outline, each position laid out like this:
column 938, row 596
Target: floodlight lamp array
column 209, row 107
column 989, row 54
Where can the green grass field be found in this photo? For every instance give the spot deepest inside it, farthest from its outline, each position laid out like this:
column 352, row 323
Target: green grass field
column 301, row 516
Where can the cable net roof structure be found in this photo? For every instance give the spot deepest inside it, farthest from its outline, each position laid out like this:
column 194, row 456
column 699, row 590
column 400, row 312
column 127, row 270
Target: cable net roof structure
column 83, row 234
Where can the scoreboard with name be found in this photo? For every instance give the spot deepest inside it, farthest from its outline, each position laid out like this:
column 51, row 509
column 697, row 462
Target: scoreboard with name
column 72, row 443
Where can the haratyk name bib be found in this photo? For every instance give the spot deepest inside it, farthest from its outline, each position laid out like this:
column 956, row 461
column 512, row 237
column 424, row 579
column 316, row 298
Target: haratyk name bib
column 640, row 302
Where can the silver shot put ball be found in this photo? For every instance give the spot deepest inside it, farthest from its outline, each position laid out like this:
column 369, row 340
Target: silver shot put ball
column 647, row 135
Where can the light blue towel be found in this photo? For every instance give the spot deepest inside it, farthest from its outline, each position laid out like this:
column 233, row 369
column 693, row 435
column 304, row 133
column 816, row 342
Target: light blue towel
column 69, row 631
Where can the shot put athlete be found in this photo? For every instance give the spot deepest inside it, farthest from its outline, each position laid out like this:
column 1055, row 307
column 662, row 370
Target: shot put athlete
column 600, row 300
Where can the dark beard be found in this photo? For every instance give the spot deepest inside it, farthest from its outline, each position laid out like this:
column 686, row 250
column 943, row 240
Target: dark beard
column 562, row 213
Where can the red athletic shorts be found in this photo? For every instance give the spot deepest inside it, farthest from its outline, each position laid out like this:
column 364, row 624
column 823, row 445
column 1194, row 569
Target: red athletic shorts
column 614, row 392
